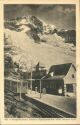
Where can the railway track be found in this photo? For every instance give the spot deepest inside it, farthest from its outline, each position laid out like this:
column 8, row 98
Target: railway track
column 48, row 111
column 44, row 110
column 23, row 105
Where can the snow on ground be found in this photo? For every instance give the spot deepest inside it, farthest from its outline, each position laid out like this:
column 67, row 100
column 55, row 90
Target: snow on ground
column 24, row 28
column 30, row 52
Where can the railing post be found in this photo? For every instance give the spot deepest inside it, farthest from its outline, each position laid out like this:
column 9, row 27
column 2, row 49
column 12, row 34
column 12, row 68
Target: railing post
column 17, row 87
column 31, row 80
column 64, row 89
column 20, row 89
column 40, row 88
column 27, row 87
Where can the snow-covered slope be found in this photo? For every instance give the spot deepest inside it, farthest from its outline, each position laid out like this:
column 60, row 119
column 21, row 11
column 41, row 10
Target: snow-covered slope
column 49, row 48
column 30, row 53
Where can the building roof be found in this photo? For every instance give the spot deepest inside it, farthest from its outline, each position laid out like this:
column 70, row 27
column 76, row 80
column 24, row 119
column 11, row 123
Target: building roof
column 61, row 69
column 54, row 77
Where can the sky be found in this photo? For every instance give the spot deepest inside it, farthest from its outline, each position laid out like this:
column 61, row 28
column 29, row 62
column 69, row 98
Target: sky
column 62, row 16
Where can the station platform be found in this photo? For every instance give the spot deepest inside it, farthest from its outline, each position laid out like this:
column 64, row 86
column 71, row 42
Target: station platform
column 63, row 103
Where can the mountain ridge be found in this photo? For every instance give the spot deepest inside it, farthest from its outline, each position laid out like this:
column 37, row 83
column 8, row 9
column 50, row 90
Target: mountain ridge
column 38, row 27
column 47, row 48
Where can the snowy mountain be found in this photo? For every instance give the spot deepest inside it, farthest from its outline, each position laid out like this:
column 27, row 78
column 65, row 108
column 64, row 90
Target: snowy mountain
column 31, row 40
column 37, row 28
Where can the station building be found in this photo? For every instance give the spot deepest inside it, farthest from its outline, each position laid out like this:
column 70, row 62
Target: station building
column 61, row 79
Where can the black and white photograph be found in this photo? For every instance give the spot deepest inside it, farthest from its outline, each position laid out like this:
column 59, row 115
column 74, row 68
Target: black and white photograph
column 40, row 61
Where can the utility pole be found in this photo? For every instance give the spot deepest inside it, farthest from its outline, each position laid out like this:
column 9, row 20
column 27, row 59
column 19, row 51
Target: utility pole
column 41, row 85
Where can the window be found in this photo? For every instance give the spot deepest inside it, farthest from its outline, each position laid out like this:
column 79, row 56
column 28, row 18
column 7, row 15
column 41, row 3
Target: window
column 50, row 85
column 52, row 74
column 69, row 87
column 72, row 75
column 47, row 86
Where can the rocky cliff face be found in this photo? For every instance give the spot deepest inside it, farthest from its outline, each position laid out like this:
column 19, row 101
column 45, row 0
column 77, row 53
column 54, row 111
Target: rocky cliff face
column 37, row 29
column 31, row 40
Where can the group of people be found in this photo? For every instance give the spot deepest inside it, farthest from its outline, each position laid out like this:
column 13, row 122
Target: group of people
column 43, row 90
